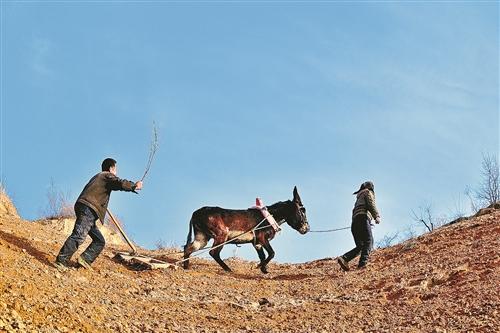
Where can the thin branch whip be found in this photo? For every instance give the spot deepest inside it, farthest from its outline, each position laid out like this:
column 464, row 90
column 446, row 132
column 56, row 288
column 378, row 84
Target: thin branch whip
column 152, row 150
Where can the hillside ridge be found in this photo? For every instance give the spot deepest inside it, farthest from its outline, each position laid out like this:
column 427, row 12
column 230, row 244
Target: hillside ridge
column 444, row 281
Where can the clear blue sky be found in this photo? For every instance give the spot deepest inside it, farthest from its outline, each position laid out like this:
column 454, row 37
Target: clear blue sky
column 250, row 99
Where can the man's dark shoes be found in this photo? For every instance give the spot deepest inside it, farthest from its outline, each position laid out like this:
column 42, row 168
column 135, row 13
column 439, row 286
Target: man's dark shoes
column 61, row 267
column 343, row 264
column 83, row 263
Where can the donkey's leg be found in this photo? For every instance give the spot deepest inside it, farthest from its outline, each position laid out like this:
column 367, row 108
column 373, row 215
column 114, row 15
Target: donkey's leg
column 270, row 251
column 200, row 241
column 215, row 253
column 260, row 252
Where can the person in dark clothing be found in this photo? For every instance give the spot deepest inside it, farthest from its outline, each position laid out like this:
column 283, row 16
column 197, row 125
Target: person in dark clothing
column 90, row 206
column 364, row 211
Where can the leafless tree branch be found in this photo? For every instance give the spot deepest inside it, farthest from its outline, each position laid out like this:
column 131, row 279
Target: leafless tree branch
column 387, row 240
column 488, row 191
column 152, row 150
column 424, row 216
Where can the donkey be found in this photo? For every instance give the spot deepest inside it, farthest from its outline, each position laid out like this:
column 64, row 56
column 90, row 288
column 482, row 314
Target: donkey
column 225, row 224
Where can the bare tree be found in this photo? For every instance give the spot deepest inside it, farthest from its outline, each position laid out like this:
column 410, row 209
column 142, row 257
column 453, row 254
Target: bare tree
column 488, row 191
column 424, row 216
column 469, row 192
column 58, row 203
column 160, row 245
column 409, row 233
column 459, row 210
column 163, row 245
column 387, row 240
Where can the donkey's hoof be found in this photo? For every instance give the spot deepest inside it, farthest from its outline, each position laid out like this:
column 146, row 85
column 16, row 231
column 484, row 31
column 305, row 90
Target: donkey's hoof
column 264, row 270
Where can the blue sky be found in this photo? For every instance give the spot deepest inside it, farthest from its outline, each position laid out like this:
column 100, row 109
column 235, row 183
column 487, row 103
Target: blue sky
column 250, row 99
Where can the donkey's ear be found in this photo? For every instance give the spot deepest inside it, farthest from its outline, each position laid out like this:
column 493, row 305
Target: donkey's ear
column 296, row 196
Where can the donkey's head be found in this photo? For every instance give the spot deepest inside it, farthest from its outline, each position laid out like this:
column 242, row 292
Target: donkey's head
column 297, row 218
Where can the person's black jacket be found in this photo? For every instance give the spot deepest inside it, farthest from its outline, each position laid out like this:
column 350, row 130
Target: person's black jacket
column 97, row 191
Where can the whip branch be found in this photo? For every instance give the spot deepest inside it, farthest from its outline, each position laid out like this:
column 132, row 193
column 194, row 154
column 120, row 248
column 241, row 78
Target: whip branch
column 152, row 150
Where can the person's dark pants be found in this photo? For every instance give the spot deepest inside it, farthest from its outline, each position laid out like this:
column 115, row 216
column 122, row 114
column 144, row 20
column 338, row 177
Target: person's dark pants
column 85, row 225
column 362, row 232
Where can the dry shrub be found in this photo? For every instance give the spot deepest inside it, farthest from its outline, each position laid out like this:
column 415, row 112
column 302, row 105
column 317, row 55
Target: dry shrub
column 6, row 205
column 58, row 204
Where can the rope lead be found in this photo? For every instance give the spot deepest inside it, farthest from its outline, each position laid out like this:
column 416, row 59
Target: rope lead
column 329, row 230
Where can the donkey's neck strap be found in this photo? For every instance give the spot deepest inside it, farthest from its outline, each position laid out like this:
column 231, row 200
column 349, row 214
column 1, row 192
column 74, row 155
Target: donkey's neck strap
column 265, row 213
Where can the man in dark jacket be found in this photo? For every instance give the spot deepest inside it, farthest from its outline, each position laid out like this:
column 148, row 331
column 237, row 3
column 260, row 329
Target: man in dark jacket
column 364, row 211
column 90, row 206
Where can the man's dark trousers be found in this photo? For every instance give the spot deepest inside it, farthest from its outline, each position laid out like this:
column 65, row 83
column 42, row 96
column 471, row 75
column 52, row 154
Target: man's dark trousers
column 85, row 225
column 362, row 232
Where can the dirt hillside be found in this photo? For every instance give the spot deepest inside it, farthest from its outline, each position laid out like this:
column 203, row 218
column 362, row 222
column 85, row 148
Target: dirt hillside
column 6, row 205
column 445, row 281
column 64, row 227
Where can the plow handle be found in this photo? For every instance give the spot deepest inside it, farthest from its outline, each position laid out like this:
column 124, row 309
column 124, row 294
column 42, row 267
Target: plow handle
column 134, row 250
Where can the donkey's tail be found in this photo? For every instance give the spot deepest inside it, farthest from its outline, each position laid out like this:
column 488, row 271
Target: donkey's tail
column 190, row 234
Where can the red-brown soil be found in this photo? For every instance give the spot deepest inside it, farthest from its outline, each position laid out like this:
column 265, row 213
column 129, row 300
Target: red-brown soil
column 444, row 281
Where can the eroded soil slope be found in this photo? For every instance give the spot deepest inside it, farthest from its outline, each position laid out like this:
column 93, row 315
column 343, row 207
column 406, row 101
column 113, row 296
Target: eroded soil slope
column 445, row 281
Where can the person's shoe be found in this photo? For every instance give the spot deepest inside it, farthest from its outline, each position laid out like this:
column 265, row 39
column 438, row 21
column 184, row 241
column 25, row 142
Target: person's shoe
column 343, row 264
column 83, row 263
column 61, row 267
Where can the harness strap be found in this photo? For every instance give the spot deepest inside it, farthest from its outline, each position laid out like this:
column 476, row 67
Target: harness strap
column 265, row 213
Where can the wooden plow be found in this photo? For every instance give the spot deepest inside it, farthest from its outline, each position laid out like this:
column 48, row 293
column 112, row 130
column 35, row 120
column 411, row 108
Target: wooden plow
column 134, row 259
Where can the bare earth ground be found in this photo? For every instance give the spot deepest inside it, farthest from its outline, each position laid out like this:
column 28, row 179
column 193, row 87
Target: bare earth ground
column 445, row 281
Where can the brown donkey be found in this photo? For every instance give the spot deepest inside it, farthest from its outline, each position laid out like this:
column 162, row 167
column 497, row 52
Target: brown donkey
column 225, row 224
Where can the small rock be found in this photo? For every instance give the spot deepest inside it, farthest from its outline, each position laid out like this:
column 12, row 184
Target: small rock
column 264, row 301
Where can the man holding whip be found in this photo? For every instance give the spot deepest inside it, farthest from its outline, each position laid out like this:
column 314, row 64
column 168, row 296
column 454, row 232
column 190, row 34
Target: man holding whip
column 90, row 206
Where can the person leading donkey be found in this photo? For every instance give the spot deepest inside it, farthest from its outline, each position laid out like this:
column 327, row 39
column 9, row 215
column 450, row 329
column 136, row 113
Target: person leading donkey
column 365, row 210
